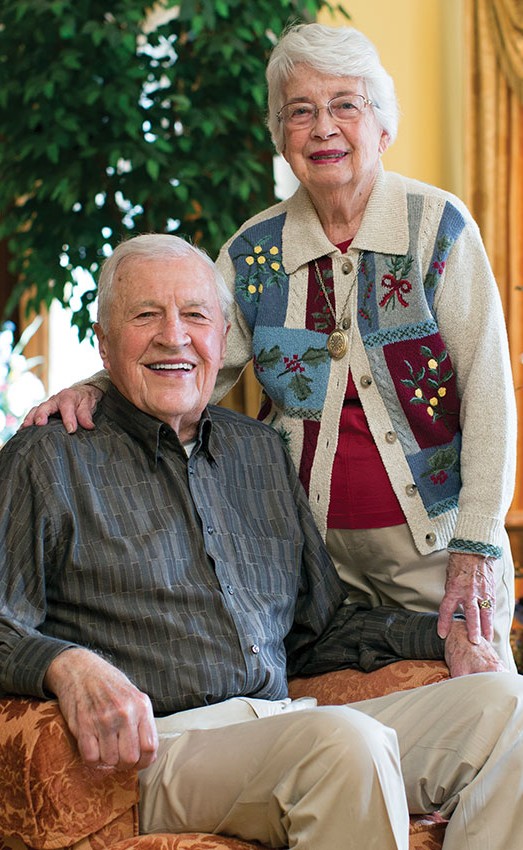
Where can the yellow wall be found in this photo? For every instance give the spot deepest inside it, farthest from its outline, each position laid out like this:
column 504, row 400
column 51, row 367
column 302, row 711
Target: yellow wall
column 421, row 45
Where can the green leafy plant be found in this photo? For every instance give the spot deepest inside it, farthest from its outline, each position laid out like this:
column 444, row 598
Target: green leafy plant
column 110, row 128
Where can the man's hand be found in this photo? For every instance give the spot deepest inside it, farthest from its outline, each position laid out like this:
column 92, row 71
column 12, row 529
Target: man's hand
column 463, row 657
column 470, row 581
column 110, row 718
column 75, row 405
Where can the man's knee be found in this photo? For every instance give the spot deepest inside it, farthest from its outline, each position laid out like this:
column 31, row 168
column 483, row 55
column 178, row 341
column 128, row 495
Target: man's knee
column 348, row 737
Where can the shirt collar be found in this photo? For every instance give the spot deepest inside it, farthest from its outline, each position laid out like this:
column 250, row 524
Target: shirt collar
column 150, row 432
column 383, row 230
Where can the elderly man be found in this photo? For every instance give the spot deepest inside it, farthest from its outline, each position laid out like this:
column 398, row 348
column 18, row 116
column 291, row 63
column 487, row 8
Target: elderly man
column 162, row 573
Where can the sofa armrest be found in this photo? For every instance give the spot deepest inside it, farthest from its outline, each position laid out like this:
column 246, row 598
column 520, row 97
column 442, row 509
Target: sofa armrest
column 344, row 686
column 50, row 799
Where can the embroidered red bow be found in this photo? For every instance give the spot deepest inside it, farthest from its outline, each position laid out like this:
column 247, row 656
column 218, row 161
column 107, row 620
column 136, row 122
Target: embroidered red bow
column 396, row 287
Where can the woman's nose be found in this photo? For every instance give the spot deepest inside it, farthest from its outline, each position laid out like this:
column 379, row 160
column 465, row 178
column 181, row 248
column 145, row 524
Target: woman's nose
column 324, row 124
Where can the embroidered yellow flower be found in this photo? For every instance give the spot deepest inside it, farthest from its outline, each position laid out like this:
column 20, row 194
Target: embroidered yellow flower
column 275, row 267
column 273, row 250
column 251, row 289
column 432, row 364
column 260, row 287
column 249, row 260
column 442, row 391
column 430, row 411
column 418, row 393
column 257, row 249
column 434, row 401
column 261, row 259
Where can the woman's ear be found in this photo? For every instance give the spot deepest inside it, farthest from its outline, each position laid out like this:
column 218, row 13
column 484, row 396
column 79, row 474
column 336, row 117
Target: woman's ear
column 384, row 142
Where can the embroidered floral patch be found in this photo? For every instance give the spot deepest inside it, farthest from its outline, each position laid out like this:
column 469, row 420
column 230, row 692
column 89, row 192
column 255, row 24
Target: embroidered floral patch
column 294, row 367
column 258, row 266
column 439, row 261
column 429, row 387
column 426, row 386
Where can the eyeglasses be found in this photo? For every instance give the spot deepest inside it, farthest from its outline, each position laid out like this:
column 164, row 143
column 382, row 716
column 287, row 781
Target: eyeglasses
column 343, row 109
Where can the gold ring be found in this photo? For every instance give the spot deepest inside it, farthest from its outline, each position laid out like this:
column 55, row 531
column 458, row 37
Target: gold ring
column 485, row 603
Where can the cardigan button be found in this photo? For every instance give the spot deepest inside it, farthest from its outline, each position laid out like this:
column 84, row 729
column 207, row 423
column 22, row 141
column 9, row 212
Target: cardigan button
column 430, row 538
column 411, row 489
column 346, row 268
column 255, row 649
column 391, row 436
column 365, row 380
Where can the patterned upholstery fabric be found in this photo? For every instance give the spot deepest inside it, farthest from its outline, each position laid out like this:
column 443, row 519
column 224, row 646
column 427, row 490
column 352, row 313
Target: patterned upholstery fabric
column 49, row 798
column 50, row 801
column 352, row 685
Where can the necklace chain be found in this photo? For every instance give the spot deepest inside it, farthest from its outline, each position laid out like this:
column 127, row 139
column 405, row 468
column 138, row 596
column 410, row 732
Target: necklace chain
column 337, row 343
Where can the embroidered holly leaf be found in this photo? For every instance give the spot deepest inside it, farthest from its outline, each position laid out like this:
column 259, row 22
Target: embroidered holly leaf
column 407, row 265
column 443, row 356
column 447, row 376
column 269, row 359
column 285, row 436
column 421, row 374
column 416, row 400
column 315, row 356
column 300, row 386
column 443, row 459
column 408, row 382
column 425, row 350
column 433, row 383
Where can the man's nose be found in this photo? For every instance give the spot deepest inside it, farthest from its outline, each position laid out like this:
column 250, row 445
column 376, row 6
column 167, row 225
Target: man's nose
column 173, row 332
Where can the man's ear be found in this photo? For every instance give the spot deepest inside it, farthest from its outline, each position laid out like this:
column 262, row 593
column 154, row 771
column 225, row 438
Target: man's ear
column 102, row 344
column 224, row 342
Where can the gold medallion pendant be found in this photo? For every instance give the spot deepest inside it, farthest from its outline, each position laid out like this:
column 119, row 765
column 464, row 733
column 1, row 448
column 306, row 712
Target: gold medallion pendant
column 337, row 344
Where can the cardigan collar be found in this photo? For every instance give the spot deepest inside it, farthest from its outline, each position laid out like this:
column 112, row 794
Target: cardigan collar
column 383, row 229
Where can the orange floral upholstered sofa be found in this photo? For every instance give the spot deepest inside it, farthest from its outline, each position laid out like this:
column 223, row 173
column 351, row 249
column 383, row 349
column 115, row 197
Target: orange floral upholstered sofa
column 50, row 801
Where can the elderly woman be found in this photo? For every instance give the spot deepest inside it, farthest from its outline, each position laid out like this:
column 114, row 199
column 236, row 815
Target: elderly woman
column 376, row 330
column 368, row 306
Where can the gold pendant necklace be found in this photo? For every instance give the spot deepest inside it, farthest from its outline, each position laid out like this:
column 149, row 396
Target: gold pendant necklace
column 337, row 340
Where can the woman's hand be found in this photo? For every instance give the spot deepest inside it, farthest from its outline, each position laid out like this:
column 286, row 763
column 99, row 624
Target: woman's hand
column 75, row 405
column 469, row 584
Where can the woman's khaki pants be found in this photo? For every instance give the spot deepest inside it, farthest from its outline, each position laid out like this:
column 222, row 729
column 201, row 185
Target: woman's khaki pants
column 382, row 566
column 328, row 778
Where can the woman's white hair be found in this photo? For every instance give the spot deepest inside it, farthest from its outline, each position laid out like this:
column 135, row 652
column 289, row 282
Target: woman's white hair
column 153, row 246
column 340, row 52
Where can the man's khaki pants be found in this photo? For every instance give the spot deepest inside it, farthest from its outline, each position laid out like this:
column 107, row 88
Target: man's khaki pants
column 328, row 778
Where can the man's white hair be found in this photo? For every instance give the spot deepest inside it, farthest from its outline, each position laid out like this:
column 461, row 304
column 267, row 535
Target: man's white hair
column 154, row 246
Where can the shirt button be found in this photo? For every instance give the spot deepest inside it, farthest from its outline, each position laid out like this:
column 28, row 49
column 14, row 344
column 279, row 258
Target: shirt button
column 391, row 436
column 411, row 489
column 365, row 380
column 430, row 538
column 255, row 649
column 210, row 529
column 230, row 589
column 346, row 268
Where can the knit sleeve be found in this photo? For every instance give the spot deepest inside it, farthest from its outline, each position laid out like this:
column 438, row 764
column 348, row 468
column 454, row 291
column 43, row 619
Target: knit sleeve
column 471, row 321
